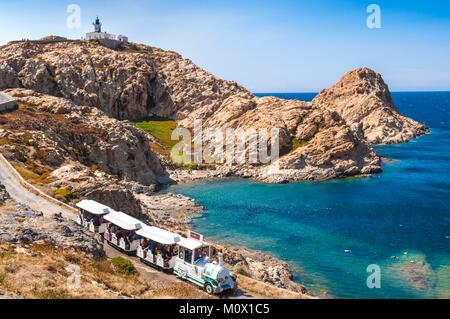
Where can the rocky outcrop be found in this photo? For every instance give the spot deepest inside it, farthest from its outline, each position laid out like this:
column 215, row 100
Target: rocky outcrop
column 83, row 72
column 59, row 132
column 362, row 97
column 19, row 224
column 335, row 131
column 4, row 195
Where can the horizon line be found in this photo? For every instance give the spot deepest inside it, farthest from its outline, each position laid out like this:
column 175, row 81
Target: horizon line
column 395, row 91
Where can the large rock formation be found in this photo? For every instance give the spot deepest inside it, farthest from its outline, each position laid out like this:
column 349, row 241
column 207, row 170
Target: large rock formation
column 362, row 97
column 335, row 131
column 54, row 131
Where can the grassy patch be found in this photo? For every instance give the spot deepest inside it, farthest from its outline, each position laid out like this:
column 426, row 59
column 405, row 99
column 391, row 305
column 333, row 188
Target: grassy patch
column 238, row 269
column 26, row 106
column 41, row 273
column 162, row 129
column 71, row 258
column 64, row 194
column 34, row 178
column 296, row 144
column 124, row 266
column 2, row 277
column 54, row 294
column 3, row 141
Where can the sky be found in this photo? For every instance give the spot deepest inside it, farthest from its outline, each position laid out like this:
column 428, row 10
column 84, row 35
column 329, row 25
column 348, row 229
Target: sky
column 266, row 45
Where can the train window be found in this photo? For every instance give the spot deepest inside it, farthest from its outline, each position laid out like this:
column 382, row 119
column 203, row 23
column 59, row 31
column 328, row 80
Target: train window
column 201, row 253
column 181, row 254
column 188, row 256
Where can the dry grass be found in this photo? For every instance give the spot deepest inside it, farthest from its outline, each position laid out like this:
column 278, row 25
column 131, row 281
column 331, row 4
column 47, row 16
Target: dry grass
column 65, row 194
column 39, row 271
column 179, row 290
column 32, row 177
column 263, row 290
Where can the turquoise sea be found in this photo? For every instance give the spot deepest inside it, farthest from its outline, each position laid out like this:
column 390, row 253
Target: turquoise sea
column 330, row 232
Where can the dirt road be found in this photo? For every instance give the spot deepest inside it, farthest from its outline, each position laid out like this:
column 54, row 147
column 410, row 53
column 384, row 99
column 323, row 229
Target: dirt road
column 23, row 196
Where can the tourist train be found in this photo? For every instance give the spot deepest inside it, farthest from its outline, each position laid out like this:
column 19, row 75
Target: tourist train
column 188, row 258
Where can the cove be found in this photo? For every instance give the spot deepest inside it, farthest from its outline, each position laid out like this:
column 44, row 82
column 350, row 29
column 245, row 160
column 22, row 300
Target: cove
column 330, row 232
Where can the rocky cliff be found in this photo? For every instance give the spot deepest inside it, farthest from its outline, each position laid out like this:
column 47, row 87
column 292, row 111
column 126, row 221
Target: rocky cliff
column 53, row 131
column 328, row 138
column 361, row 97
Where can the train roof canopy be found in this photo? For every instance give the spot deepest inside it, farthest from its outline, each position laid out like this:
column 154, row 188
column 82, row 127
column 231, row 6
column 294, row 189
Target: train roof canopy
column 124, row 221
column 93, row 207
column 159, row 235
column 192, row 244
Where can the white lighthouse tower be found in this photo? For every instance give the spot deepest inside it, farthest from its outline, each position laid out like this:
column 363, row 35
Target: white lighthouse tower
column 98, row 25
column 110, row 40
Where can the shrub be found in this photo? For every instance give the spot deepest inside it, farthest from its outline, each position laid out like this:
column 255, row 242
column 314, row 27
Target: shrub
column 65, row 194
column 297, row 144
column 238, row 269
column 34, row 178
column 124, row 266
column 55, row 294
column 72, row 259
column 103, row 266
column 2, row 276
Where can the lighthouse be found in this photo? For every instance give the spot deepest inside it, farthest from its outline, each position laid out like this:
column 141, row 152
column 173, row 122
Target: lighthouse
column 97, row 25
column 109, row 40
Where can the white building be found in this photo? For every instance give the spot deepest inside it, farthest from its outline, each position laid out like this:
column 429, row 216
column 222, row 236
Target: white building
column 99, row 35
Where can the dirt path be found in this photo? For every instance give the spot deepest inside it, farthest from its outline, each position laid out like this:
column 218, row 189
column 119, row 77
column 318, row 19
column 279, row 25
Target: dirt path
column 22, row 195
column 39, row 203
column 153, row 276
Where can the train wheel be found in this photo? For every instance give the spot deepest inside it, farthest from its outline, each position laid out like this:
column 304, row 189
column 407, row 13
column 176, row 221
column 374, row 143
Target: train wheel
column 209, row 288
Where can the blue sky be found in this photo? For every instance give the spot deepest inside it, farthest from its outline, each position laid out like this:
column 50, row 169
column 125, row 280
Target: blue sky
column 267, row 45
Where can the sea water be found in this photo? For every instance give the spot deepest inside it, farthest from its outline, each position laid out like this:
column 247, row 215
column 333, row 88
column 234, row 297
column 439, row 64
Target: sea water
column 331, row 232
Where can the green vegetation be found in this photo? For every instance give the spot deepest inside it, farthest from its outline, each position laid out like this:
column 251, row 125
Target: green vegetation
column 96, row 42
column 2, row 276
column 160, row 128
column 3, row 141
column 297, row 144
column 64, row 194
column 238, row 269
column 34, row 178
column 94, row 168
column 124, row 266
column 55, row 294
column 26, row 106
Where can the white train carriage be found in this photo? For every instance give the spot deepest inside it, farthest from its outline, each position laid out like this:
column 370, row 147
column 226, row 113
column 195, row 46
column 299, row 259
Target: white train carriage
column 121, row 232
column 158, row 247
column 91, row 215
column 195, row 265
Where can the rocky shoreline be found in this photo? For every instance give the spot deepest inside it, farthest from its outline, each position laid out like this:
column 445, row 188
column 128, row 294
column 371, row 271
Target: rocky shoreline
column 175, row 212
column 71, row 135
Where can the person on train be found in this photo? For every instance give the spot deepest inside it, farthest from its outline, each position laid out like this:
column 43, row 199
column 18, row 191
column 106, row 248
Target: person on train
column 145, row 243
column 96, row 220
